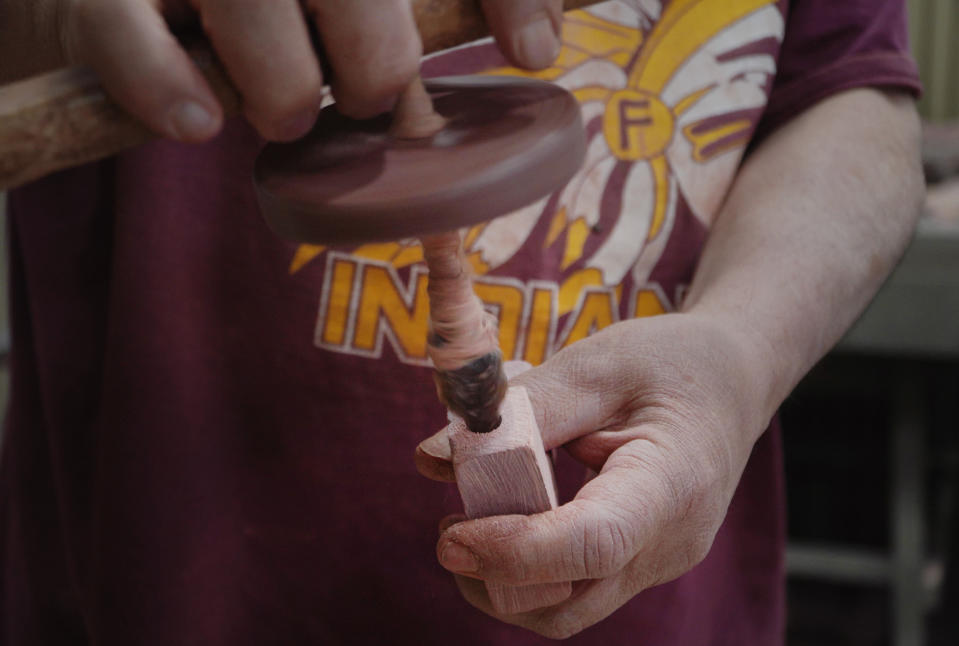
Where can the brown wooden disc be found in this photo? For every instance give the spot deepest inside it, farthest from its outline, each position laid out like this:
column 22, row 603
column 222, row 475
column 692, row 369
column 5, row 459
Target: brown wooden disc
column 507, row 143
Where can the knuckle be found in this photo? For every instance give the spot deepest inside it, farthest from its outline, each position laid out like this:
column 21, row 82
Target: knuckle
column 282, row 114
column 377, row 76
column 294, row 101
column 607, row 545
column 499, row 543
column 698, row 550
column 695, row 547
column 702, row 514
column 510, row 549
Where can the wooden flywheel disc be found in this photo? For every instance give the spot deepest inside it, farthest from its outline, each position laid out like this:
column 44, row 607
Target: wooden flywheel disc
column 507, row 142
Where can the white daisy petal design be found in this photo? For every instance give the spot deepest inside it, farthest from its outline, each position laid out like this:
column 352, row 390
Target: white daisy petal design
column 627, row 12
column 653, row 250
column 594, row 73
column 708, row 95
column 582, row 196
column 627, row 238
column 730, row 86
column 502, row 238
column 670, row 95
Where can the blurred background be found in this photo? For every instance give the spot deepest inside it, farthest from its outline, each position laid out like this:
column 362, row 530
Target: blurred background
column 872, row 435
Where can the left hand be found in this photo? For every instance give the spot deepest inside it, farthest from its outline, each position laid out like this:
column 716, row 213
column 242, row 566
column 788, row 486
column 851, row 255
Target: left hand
column 667, row 410
column 372, row 46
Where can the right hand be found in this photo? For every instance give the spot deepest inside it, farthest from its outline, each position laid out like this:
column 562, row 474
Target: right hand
column 372, row 46
column 665, row 410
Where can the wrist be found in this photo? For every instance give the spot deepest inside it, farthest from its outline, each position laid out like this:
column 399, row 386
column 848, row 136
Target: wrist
column 763, row 372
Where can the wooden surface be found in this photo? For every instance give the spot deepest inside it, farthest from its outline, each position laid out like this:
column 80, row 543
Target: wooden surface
column 502, row 472
column 64, row 118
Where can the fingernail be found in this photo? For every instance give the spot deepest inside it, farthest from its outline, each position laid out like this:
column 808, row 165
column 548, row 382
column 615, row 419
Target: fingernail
column 457, row 558
column 297, row 126
column 190, row 121
column 537, row 44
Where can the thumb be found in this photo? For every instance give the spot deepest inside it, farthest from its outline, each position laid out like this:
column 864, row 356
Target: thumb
column 143, row 67
column 622, row 511
column 569, row 399
column 527, row 31
column 582, row 539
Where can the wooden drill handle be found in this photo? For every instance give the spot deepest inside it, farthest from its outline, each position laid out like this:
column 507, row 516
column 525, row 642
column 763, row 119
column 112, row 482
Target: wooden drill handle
column 64, row 118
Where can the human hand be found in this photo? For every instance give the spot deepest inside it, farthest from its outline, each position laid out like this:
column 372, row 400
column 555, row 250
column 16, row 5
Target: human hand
column 372, row 46
column 666, row 409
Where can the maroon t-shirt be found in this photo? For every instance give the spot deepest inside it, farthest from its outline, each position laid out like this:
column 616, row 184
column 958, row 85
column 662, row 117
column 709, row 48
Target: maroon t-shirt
column 211, row 430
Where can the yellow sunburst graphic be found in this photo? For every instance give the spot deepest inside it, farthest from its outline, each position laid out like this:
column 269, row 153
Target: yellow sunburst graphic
column 638, row 125
column 626, row 80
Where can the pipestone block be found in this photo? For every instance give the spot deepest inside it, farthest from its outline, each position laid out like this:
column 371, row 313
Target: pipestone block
column 507, row 471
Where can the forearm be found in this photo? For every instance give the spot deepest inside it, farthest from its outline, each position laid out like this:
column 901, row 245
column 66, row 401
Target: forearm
column 815, row 221
column 29, row 41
